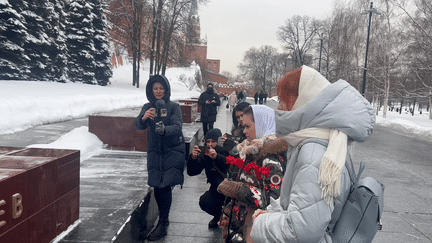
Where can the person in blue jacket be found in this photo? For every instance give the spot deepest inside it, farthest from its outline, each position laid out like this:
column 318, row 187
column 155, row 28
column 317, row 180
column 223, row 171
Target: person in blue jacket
column 165, row 149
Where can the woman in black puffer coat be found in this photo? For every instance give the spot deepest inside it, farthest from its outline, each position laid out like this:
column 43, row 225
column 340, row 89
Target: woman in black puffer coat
column 209, row 102
column 165, row 149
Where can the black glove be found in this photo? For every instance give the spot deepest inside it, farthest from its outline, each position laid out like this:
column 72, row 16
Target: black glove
column 160, row 128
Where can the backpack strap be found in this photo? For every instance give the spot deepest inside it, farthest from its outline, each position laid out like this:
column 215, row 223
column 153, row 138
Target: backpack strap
column 351, row 171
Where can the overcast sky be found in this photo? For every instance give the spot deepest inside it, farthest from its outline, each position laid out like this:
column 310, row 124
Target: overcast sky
column 234, row 26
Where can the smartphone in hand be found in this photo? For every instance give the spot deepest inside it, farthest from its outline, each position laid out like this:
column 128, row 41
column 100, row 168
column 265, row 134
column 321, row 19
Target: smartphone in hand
column 203, row 148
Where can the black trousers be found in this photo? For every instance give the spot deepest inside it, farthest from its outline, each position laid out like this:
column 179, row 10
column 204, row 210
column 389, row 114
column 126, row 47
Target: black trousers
column 212, row 201
column 207, row 126
column 163, row 198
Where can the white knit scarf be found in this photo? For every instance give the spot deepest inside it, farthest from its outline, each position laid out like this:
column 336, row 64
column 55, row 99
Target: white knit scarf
column 333, row 160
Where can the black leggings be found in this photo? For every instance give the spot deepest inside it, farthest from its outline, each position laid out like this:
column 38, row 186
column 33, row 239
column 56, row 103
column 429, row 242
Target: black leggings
column 207, row 126
column 163, row 198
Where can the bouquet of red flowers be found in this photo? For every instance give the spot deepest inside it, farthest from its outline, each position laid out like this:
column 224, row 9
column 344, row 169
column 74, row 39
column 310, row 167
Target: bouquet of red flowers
column 251, row 168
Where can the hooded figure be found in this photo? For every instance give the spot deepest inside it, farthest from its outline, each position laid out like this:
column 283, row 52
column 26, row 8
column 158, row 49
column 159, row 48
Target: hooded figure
column 209, row 102
column 165, row 149
column 319, row 121
column 254, row 183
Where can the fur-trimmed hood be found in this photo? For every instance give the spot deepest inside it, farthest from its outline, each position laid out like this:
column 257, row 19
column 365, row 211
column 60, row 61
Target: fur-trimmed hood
column 260, row 148
column 149, row 88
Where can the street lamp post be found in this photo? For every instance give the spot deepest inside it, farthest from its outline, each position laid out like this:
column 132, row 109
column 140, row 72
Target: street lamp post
column 370, row 12
column 319, row 65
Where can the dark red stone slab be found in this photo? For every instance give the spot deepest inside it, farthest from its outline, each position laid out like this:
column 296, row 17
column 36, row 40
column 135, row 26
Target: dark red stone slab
column 5, row 150
column 15, row 183
column 118, row 132
column 67, row 210
column 17, row 234
column 41, row 227
column 44, row 184
column 192, row 100
column 189, row 111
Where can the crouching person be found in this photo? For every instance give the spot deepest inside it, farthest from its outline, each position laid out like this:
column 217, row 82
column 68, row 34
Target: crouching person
column 213, row 162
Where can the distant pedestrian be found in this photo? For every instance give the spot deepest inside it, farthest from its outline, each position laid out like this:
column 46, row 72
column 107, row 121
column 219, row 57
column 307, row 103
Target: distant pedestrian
column 261, row 97
column 209, row 101
column 265, row 97
column 232, row 100
column 256, row 97
column 240, row 97
column 165, row 147
column 214, row 164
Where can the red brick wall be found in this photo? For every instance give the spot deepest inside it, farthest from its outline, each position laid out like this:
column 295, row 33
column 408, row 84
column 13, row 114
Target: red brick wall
column 216, row 78
column 199, row 55
column 213, row 65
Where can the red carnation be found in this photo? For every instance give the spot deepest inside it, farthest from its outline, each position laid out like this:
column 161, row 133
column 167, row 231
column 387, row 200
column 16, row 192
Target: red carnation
column 234, row 161
column 230, row 160
column 250, row 166
column 239, row 163
column 263, row 171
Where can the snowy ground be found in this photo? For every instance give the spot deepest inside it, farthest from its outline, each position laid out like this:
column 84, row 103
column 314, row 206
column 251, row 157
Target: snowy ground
column 28, row 104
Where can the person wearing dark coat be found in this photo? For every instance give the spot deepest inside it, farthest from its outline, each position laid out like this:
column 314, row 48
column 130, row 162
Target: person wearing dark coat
column 209, row 102
column 240, row 97
column 166, row 149
column 256, row 97
column 214, row 164
column 261, row 97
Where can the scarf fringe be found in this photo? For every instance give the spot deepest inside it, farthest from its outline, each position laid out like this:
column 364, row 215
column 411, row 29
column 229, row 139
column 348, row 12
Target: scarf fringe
column 329, row 179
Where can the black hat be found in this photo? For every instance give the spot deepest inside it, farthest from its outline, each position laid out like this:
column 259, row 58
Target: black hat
column 210, row 84
column 214, row 134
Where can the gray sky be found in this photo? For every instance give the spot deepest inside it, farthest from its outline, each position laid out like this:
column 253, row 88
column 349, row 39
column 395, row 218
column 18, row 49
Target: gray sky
column 234, row 26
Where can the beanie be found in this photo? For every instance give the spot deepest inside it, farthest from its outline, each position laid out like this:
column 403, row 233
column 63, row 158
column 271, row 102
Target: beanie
column 214, row 134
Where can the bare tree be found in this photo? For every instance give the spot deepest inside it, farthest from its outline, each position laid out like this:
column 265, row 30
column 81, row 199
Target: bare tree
column 154, row 29
column 418, row 82
column 387, row 49
column 297, row 36
column 344, row 47
column 128, row 18
column 171, row 30
column 258, row 65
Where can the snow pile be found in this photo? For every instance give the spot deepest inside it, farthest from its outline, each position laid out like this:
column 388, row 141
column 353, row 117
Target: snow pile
column 406, row 123
column 77, row 139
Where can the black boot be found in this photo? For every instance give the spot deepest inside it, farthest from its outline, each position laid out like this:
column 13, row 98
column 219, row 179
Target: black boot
column 214, row 223
column 160, row 231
